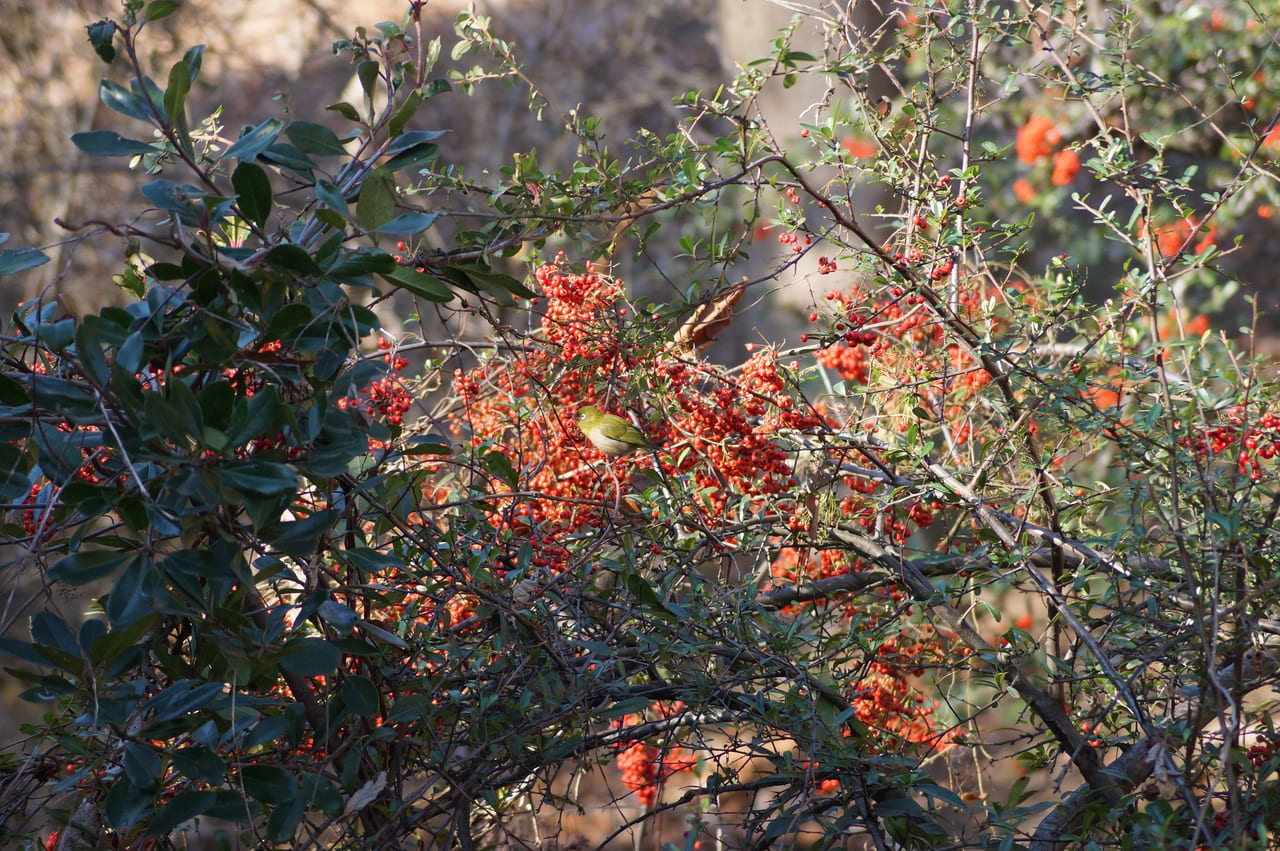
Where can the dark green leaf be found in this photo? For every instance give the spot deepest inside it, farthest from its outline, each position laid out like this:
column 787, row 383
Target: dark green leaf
column 19, row 259
column 283, row 822
column 408, row 223
column 171, row 414
column 289, row 318
column 329, row 194
column 194, row 57
column 131, row 598
column 412, row 140
column 292, row 258
column 125, row 805
column 361, row 695
column 101, row 36
column 289, row 157
column 82, row 568
column 89, row 351
column 181, row 808
column 477, row 276
column 260, row 477
column 650, row 599
column 410, row 708
column 184, row 696
column 115, row 643
column 199, row 763
column 309, row 657
column 50, row 632
column 158, row 9
column 269, row 783
column 299, row 538
column 108, row 143
column 500, row 466
column 422, row 153
column 254, row 141
column 186, row 201
column 260, row 414
column 129, row 357
column 141, row 765
column 362, row 261
column 345, row 109
column 75, row 401
column 313, row 138
column 253, row 192
column 367, row 73
column 229, row 805
column 404, row 113
column 13, row 392
column 377, row 202
column 175, row 95
column 21, row 650
column 420, row 284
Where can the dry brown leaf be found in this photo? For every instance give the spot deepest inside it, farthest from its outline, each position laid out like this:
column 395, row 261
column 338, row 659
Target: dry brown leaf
column 708, row 322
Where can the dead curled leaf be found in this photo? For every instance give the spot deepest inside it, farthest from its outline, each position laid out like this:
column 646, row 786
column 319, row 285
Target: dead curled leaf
column 708, row 322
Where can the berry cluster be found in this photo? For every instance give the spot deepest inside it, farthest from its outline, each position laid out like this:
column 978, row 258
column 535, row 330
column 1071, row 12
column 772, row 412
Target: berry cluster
column 1250, row 443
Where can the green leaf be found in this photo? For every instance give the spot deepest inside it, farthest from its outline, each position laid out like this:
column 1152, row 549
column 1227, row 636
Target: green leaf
column 346, row 110
column 60, row 453
column 292, row 258
column 255, row 140
column 410, row 708
column 199, row 763
column 360, row 695
column 101, row 36
column 125, row 804
column 20, row 259
column 300, row 538
column 182, row 697
column 131, row 598
column 185, row 200
column 21, row 650
column 73, row 400
column 419, row 154
column 362, row 261
column 313, row 138
column 289, row 157
column 410, row 141
column 85, row 567
column 420, row 284
column 253, row 192
column 89, row 351
column 260, row 477
column 309, row 657
column 477, row 276
column 289, row 318
column 255, row 416
column 174, row 413
column 158, row 9
column 141, row 765
column 396, row 126
column 108, row 143
column 329, row 194
column 500, row 466
column 269, row 783
column 117, row 642
column 377, row 201
column 48, row 631
column 409, row 223
column 181, row 808
column 367, row 73
column 175, row 95
column 643, row 592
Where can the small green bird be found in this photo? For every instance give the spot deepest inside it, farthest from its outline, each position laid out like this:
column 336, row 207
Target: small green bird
column 611, row 434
